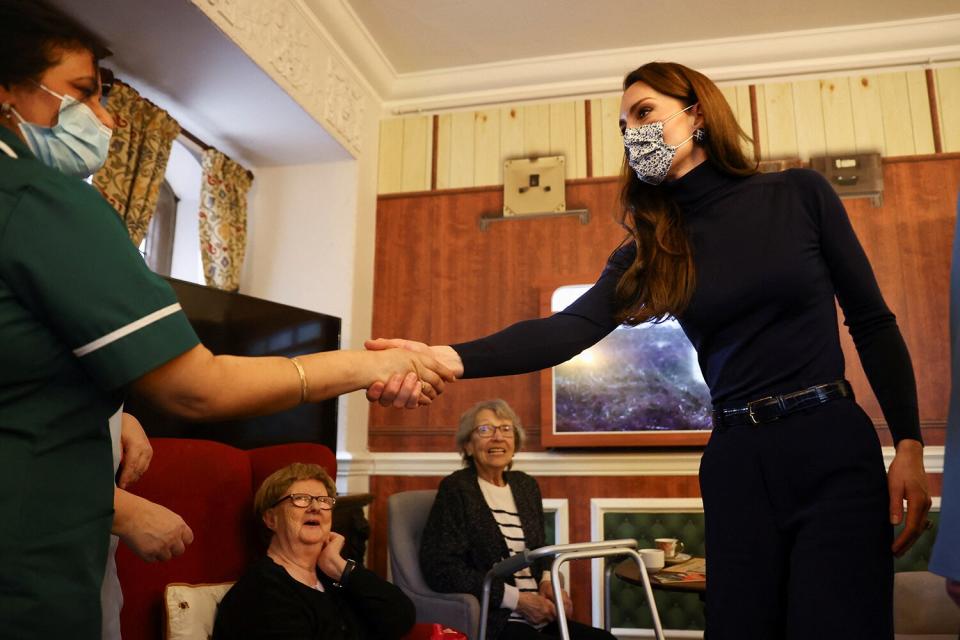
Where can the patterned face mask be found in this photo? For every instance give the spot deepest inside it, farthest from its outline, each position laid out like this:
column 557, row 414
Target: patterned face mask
column 648, row 154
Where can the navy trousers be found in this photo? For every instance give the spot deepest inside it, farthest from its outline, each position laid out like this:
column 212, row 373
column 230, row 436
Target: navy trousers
column 797, row 529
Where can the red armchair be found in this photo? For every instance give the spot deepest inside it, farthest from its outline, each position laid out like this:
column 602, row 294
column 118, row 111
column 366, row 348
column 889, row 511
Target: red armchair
column 211, row 485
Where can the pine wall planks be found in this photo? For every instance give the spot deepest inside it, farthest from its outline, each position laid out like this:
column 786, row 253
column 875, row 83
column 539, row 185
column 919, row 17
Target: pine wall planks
column 889, row 113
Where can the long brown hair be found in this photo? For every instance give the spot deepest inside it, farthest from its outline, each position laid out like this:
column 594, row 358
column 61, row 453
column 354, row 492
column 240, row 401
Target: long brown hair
column 661, row 280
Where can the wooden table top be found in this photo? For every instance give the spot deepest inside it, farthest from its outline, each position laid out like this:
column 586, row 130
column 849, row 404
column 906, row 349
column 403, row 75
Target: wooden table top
column 628, row 571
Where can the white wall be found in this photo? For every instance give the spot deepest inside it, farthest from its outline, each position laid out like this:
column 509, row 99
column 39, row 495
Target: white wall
column 301, row 251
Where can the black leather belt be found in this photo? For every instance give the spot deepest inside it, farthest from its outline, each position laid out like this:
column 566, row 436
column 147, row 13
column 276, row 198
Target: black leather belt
column 773, row 408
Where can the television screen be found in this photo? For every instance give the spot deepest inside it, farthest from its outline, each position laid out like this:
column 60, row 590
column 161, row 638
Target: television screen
column 637, row 379
column 240, row 325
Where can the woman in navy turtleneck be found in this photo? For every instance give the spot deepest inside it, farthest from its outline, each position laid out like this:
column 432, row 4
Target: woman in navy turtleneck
column 793, row 479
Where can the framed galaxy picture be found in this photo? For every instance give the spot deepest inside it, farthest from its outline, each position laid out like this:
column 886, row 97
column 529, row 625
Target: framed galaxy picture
column 639, row 386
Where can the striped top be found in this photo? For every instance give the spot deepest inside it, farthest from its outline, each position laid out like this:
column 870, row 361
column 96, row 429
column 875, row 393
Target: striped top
column 504, row 510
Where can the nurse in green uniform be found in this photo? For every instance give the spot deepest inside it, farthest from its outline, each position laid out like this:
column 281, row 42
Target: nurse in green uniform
column 82, row 320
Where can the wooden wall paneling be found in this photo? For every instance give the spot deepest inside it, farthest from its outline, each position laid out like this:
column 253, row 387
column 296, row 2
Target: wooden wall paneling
column 897, row 121
column 808, row 107
column 878, row 233
column 596, row 136
column 580, row 135
column 837, row 115
column 511, row 135
column 462, row 149
column 908, row 242
column 730, row 95
column 611, row 139
column 487, row 158
column 867, row 110
column 926, row 215
column 417, row 151
column 483, row 281
column 444, row 141
column 536, row 130
column 745, row 117
column 404, row 267
column 920, row 112
column 948, row 102
column 389, row 176
column 563, row 138
column 761, row 137
column 780, row 140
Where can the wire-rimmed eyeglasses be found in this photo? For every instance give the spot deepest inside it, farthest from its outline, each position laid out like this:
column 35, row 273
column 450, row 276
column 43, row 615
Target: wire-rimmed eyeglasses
column 304, row 500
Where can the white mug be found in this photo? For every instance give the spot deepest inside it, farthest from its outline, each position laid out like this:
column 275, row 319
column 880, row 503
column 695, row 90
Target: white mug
column 653, row 559
column 671, row 547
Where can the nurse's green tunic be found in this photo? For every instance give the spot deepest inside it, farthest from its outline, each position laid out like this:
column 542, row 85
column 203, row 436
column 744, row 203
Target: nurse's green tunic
column 81, row 316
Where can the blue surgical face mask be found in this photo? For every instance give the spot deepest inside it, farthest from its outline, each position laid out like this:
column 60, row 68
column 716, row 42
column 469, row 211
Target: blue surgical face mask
column 648, row 154
column 76, row 145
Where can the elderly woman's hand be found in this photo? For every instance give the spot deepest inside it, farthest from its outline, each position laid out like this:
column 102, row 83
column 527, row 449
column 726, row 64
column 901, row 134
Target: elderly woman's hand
column 330, row 562
column 546, row 590
column 535, row 608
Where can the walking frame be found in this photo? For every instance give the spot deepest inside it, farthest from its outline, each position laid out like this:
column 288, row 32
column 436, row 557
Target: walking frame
column 562, row 553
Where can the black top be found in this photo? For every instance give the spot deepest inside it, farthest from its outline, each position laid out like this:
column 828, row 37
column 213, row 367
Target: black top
column 268, row 603
column 461, row 539
column 771, row 253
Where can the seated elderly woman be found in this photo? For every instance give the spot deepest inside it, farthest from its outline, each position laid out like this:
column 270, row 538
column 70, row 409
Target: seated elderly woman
column 485, row 513
column 303, row 588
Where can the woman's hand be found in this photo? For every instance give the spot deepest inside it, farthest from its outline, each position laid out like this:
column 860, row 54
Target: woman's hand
column 907, row 480
column 546, row 590
column 135, row 451
column 401, row 391
column 330, row 562
column 151, row 531
column 408, row 377
column 535, row 608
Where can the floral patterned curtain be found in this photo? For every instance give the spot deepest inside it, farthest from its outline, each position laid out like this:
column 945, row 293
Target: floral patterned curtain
column 131, row 177
column 223, row 219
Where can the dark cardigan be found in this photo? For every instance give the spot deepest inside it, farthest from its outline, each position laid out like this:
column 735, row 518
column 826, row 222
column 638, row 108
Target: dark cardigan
column 461, row 539
column 268, row 603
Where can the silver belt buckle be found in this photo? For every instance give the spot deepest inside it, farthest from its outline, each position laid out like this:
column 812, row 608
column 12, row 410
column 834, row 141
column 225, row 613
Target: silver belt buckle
column 753, row 418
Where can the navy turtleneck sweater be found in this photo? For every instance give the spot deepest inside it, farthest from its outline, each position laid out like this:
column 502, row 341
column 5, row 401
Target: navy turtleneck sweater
column 772, row 252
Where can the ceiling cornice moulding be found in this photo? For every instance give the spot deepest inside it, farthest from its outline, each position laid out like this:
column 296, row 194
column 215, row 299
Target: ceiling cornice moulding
column 789, row 54
column 286, row 40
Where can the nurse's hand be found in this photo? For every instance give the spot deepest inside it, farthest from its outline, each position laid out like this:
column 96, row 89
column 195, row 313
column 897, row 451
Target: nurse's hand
column 151, row 531
column 907, row 481
column 399, row 391
column 135, row 451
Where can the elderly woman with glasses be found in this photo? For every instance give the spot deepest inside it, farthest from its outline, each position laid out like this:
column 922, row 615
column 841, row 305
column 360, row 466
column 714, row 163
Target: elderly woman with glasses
column 303, row 588
column 485, row 513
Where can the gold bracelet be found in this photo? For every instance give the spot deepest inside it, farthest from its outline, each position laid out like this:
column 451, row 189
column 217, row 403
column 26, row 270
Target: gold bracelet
column 304, row 389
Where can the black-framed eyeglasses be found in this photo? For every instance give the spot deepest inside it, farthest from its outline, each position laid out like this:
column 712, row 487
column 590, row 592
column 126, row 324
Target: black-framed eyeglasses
column 304, row 500
column 487, row 430
column 106, row 81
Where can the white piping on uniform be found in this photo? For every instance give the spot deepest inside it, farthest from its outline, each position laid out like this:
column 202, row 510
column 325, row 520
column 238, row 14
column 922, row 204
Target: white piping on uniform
column 7, row 150
column 126, row 330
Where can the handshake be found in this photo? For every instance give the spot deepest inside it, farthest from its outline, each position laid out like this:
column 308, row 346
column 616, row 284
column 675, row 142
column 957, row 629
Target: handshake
column 408, row 373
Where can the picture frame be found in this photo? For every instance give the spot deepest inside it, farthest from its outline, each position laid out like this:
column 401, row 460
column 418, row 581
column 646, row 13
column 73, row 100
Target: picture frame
column 568, row 430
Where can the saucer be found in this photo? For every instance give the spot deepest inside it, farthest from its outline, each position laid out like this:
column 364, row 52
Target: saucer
column 677, row 559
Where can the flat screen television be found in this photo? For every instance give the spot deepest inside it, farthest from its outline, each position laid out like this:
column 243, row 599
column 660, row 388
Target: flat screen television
column 240, row 325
